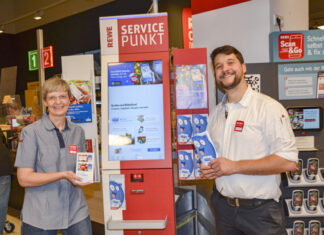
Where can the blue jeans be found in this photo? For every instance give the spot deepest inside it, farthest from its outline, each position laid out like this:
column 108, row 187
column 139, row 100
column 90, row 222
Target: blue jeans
column 5, row 182
column 81, row 228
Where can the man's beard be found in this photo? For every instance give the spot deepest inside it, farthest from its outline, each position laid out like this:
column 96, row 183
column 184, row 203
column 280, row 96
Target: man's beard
column 237, row 80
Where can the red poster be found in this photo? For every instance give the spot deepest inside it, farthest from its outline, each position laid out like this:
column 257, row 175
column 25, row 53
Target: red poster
column 291, row 46
column 187, row 28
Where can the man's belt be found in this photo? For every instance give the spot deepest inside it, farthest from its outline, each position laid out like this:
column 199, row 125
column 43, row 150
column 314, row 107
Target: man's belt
column 236, row 202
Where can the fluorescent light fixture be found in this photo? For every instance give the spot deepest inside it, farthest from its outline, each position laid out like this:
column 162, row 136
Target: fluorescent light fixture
column 38, row 15
column 1, row 28
column 320, row 27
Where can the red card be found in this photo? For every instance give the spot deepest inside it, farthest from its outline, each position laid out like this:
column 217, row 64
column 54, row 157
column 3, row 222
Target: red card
column 239, row 126
column 73, row 149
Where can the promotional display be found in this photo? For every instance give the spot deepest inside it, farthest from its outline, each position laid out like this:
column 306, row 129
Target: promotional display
column 136, row 138
column 83, row 112
column 300, row 81
column 191, row 103
column 298, row 46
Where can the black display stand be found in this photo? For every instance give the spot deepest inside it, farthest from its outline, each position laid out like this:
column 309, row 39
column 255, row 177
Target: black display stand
column 269, row 86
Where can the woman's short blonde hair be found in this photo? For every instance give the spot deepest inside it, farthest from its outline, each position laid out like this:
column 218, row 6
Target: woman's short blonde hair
column 55, row 83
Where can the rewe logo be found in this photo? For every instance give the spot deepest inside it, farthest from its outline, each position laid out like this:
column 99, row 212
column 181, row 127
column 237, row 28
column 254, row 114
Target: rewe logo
column 291, row 46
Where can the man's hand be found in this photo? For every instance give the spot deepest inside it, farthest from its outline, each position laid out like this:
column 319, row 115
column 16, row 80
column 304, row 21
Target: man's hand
column 74, row 179
column 222, row 166
column 218, row 167
column 207, row 172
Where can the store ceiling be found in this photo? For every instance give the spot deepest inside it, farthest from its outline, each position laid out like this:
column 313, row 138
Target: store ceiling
column 22, row 14
column 17, row 15
column 316, row 13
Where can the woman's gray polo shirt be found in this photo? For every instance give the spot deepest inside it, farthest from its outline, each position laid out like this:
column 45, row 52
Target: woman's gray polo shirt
column 59, row 204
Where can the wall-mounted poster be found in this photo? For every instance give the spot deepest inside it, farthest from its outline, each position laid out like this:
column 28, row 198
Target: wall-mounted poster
column 135, row 107
column 299, row 81
column 191, row 86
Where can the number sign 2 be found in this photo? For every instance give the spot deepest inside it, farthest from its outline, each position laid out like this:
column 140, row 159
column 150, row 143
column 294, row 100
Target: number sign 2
column 47, row 57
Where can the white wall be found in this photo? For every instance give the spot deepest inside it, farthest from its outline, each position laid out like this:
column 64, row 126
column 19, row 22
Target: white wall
column 295, row 14
column 247, row 27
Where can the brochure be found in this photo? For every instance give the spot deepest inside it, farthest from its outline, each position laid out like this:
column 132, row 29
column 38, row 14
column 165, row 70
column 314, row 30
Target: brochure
column 87, row 167
column 117, row 192
column 186, row 165
column 184, row 129
column 204, row 147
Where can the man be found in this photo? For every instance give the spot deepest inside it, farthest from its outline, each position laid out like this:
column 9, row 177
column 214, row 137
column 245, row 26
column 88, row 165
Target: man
column 46, row 162
column 254, row 141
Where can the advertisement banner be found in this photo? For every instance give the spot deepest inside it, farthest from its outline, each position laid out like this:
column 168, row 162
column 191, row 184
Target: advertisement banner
column 80, row 110
column 298, row 46
column 300, row 81
column 134, row 34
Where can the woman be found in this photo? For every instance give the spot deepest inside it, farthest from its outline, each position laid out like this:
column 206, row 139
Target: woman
column 46, row 162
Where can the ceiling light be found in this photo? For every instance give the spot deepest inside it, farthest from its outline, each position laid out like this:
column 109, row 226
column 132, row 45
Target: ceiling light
column 38, row 15
column 320, row 27
column 1, row 28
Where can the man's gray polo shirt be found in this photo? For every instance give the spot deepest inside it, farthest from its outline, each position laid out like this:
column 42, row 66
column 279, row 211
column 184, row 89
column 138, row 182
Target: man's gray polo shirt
column 59, row 204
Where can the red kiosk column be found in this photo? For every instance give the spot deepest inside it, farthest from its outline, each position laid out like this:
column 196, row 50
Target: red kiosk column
column 136, row 126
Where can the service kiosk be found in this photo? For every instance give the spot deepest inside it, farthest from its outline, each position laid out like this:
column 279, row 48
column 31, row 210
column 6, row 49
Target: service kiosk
column 136, row 125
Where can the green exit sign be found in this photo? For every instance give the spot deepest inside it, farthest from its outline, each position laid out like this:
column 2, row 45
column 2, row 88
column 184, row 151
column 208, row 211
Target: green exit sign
column 32, row 60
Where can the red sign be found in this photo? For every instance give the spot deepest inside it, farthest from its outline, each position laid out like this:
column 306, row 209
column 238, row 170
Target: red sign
column 291, row 46
column 187, row 28
column 143, row 34
column 134, row 34
column 47, row 53
column 199, row 6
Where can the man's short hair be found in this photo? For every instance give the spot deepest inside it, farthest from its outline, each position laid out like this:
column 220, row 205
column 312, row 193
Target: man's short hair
column 55, row 83
column 227, row 50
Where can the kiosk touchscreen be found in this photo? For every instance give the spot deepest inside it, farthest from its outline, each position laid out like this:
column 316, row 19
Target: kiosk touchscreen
column 136, row 126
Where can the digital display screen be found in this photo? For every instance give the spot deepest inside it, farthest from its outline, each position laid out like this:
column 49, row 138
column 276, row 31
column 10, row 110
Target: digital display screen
column 305, row 118
column 135, row 110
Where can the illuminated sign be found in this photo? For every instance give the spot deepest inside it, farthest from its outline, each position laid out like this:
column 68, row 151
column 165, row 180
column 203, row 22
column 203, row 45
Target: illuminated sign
column 32, row 60
column 48, row 57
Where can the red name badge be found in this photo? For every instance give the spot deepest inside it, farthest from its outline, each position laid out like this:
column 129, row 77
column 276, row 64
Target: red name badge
column 73, row 149
column 239, row 126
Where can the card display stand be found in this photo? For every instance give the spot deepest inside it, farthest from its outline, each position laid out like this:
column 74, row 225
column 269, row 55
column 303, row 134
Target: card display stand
column 304, row 211
column 290, row 231
column 304, row 181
